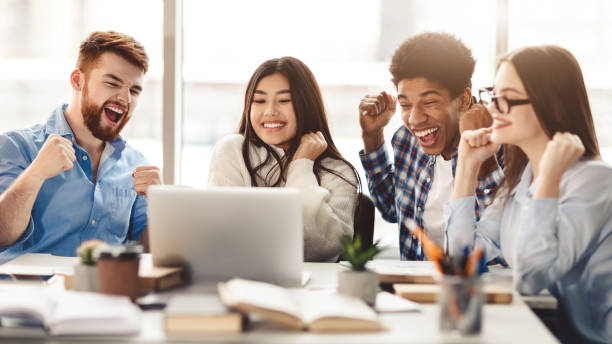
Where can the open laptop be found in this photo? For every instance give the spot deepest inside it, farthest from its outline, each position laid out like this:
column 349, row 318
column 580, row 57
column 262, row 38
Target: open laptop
column 225, row 232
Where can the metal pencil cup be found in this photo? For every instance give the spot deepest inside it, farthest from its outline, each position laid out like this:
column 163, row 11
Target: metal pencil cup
column 460, row 303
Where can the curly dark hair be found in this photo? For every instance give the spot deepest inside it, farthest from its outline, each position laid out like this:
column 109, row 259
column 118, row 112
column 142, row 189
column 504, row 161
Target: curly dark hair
column 435, row 56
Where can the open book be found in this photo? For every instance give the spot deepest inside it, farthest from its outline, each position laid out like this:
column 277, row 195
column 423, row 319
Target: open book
column 300, row 309
column 71, row 313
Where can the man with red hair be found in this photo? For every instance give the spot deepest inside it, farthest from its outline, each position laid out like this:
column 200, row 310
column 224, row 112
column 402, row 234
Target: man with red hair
column 74, row 178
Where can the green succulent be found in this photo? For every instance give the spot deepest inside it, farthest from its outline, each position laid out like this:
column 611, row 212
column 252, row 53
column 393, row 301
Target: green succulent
column 86, row 251
column 87, row 257
column 354, row 252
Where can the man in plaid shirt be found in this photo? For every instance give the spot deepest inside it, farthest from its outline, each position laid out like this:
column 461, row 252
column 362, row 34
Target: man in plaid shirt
column 432, row 74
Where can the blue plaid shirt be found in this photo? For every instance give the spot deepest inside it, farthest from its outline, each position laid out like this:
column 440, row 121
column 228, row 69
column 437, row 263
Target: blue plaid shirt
column 404, row 189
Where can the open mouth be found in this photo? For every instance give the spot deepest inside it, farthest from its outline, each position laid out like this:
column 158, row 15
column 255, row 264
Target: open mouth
column 114, row 113
column 427, row 137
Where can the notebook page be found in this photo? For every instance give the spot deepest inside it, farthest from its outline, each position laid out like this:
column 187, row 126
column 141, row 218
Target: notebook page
column 262, row 295
column 30, row 302
column 94, row 313
column 315, row 304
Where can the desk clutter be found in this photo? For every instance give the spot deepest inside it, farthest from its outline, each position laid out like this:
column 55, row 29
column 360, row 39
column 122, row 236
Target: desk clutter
column 197, row 313
column 228, row 312
column 238, row 308
column 60, row 309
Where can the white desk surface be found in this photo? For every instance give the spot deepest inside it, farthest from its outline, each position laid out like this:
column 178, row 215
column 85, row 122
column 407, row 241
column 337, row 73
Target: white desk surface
column 514, row 323
column 542, row 301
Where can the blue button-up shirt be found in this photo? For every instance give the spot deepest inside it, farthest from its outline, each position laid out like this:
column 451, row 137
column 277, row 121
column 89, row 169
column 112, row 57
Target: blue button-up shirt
column 400, row 190
column 70, row 208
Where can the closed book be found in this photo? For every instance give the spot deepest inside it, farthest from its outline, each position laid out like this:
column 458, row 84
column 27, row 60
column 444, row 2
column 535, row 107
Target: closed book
column 154, row 278
column 402, row 271
column 200, row 314
column 428, row 293
column 157, row 278
column 300, row 309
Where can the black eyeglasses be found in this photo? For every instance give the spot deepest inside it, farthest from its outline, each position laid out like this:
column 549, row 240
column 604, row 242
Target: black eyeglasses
column 503, row 104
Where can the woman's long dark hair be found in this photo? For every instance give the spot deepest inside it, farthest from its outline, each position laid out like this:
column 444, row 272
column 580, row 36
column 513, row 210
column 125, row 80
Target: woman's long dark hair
column 309, row 114
column 553, row 80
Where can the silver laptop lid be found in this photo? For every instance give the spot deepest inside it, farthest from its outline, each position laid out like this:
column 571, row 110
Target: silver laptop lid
column 226, row 232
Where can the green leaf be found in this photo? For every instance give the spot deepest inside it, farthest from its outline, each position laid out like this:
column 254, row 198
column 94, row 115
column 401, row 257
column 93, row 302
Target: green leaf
column 87, row 257
column 354, row 253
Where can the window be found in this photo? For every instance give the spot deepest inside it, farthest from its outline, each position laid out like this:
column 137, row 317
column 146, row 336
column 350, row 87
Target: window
column 40, row 42
column 582, row 28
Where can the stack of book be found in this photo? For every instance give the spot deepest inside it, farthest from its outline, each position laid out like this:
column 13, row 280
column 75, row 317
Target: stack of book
column 200, row 314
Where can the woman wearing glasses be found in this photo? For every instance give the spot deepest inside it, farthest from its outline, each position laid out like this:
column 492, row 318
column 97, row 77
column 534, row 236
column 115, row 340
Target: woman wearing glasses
column 552, row 216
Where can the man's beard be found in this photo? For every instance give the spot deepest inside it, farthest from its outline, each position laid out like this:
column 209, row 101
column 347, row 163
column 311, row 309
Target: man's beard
column 92, row 116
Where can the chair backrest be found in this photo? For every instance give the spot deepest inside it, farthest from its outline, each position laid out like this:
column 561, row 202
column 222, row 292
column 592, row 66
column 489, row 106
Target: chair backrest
column 364, row 220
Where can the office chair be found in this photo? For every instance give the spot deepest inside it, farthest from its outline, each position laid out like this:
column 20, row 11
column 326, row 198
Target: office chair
column 364, row 220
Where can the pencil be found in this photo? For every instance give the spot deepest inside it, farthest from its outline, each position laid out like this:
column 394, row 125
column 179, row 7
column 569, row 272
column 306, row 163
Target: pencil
column 432, row 251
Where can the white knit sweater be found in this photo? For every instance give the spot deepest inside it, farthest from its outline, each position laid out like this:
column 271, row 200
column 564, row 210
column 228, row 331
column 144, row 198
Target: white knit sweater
column 327, row 208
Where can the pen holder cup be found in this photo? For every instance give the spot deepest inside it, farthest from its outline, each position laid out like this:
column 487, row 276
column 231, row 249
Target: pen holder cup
column 118, row 270
column 461, row 301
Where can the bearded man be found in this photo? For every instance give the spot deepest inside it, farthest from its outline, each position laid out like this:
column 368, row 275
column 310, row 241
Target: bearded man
column 74, row 178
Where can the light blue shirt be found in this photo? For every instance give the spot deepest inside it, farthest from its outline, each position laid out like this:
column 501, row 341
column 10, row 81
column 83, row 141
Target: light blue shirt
column 70, row 208
column 563, row 244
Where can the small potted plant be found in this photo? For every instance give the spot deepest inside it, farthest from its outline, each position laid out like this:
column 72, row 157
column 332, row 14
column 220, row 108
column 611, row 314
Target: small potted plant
column 359, row 281
column 86, row 273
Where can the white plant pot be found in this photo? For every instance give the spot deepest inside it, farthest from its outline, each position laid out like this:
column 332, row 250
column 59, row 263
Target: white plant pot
column 85, row 278
column 360, row 284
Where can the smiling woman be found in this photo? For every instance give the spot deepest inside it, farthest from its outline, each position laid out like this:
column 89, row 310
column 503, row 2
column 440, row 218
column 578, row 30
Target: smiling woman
column 552, row 218
column 272, row 115
column 284, row 141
